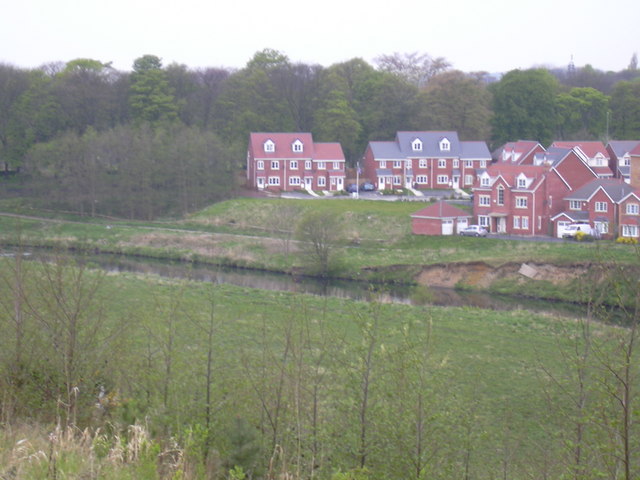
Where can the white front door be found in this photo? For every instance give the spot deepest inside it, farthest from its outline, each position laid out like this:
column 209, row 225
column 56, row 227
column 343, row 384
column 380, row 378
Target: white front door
column 260, row 182
column 456, row 181
column 340, row 185
column 380, row 183
column 502, row 225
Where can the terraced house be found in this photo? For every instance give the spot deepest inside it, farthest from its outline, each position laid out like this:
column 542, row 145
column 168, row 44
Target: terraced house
column 293, row 161
column 425, row 160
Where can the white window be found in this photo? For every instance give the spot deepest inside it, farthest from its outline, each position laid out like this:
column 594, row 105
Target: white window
column 293, row 165
column 322, row 181
column 275, row 165
column 443, row 179
column 626, row 162
column 383, row 164
column 601, row 206
column 336, row 165
column 422, row 163
column 500, row 199
column 456, row 163
column 396, row 180
column 294, row 180
column 397, row 164
column 260, row 164
column 442, row 163
column 269, row 146
column 575, row 204
column 468, row 179
column 516, row 223
column 468, row 163
column 297, row 146
column 445, row 145
column 484, row 200
column 483, row 221
column 274, row 180
column 485, row 180
column 521, row 202
column 633, row 209
column 416, row 145
column 483, row 164
column 629, row 230
column 333, row 180
column 522, row 182
column 422, row 179
column 525, row 223
column 308, row 165
column 321, row 166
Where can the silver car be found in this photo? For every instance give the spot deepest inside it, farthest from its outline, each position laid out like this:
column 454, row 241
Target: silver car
column 474, row 231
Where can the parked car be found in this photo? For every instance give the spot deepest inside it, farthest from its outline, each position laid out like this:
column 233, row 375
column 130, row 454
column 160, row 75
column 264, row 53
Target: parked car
column 570, row 231
column 474, row 231
column 352, row 188
column 367, row 187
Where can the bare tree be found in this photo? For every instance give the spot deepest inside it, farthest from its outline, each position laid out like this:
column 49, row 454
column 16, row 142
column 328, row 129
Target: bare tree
column 415, row 68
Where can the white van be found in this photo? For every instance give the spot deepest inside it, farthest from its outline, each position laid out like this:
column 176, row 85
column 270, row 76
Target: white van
column 570, row 231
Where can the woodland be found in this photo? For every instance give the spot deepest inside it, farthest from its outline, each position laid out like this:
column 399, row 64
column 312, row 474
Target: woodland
column 165, row 140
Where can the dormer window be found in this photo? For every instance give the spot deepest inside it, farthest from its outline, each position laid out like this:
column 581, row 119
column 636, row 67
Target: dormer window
column 521, row 181
column 297, row 146
column 445, row 145
column 416, row 145
column 269, row 146
column 485, row 180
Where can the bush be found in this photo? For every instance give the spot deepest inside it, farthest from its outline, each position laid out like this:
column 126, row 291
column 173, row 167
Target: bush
column 627, row 240
column 583, row 237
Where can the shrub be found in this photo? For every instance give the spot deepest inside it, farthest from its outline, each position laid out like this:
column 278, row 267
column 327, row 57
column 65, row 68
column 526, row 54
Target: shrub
column 627, row 240
column 583, row 237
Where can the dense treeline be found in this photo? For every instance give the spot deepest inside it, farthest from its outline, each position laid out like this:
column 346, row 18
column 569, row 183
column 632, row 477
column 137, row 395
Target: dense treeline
column 44, row 111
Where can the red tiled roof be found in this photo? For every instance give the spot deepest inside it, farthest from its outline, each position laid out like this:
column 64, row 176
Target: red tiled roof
column 328, row 151
column 510, row 172
column 283, row 142
column 441, row 209
column 591, row 149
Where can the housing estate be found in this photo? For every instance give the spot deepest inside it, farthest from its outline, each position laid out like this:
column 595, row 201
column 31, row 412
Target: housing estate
column 521, row 152
column 611, row 206
column 522, row 199
column 439, row 218
column 425, row 160
column 593, row 154
column 293, row 161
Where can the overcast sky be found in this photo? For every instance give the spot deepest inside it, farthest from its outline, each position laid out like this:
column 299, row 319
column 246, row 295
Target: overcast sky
column 490, row 35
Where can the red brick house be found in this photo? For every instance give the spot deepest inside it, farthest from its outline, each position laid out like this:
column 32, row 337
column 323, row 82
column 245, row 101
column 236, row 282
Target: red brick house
column 293, row 161
column 620, row 157
column 593, row 153
column 424, row 160
column 521, row 152
column 521, row 199
column 440, row 218
column 610, row 206
column 634, row 169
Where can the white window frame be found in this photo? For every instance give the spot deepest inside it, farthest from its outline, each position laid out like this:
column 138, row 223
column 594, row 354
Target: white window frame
column 422, row 163
column 322, row 182
column 483, row 221
column 275, row 165
column 602, row 227
column 484, row 200
column 397, row 164
column 524, row 223
column 273, row 181
column 269, row 146
column 575, row 205
column 522, row 182
column 443, row 179
column 629, row 230
column 336, row 165
column 294, row 181
column 308, row 165
column 442, row 163
column 500, row 195
column 522, row 202
column 397, row 180
column 293, row 165
column 601, row 207
column 483, row 164
column 516, row 222
column 445, row 145
column 468, row 179
column 485, row 180
column 322, row 166
column 260, row 165
column 416, row 145
column 297, row 146
column 383, row 164
column 456, row 163
column 422, row 179
column 632, row 209
column 468, row 163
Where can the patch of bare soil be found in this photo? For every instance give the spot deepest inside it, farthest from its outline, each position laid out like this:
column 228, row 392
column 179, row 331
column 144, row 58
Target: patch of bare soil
column 482, row 275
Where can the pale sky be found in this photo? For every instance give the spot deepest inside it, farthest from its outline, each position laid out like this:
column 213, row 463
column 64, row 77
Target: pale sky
column 490, row 35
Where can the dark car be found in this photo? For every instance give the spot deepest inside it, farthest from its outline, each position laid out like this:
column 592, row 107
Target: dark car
column 352, row 188
column 367, row 187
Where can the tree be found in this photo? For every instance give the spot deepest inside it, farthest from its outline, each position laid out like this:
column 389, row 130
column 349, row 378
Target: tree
column 13, row 83
column 625, row 110
column 582, row 114
column 524, row 106
column 152, row 99
column 417, row 69
column 456, row 101
column 318, row 233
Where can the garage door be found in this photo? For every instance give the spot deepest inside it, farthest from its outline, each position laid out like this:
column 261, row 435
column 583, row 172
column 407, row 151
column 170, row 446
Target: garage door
column 447, row 227
column 560, row 224
column 462, row 224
